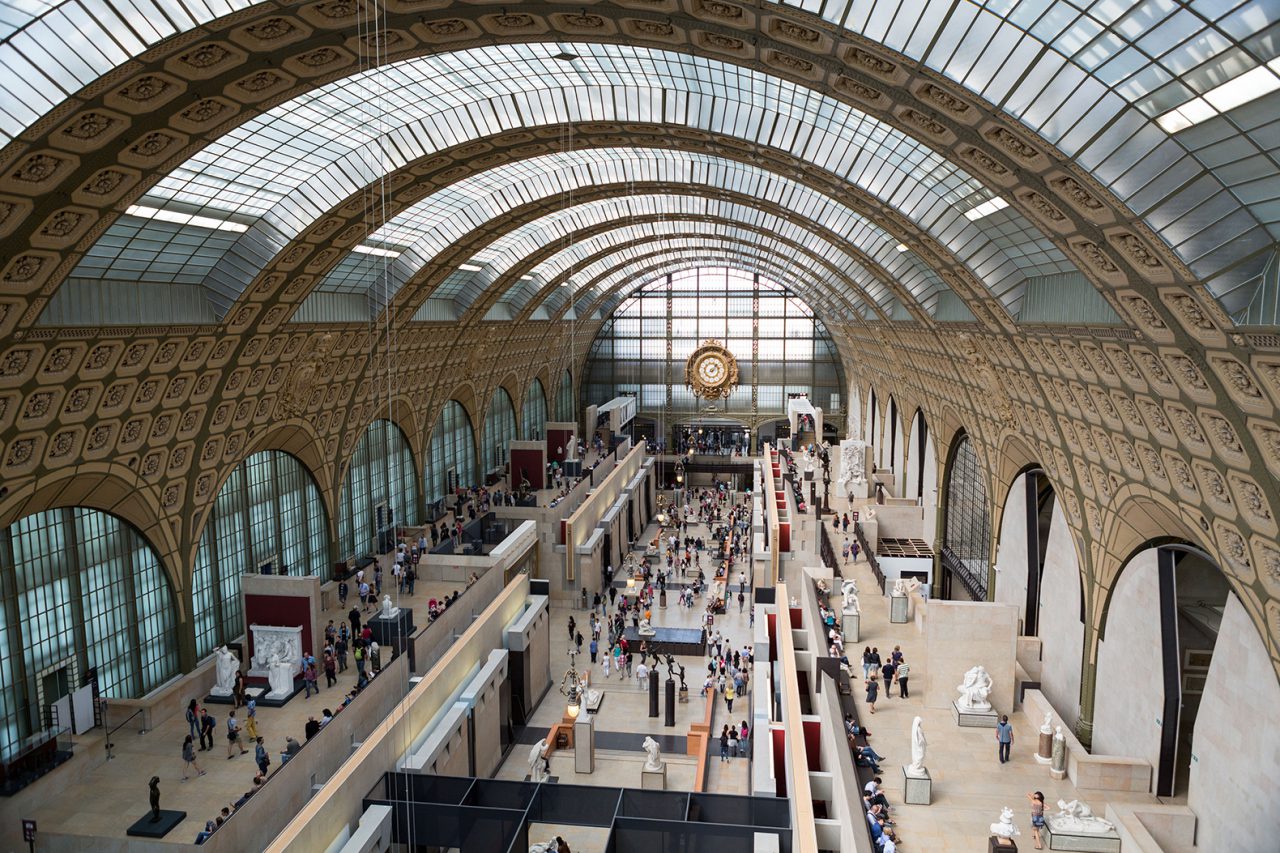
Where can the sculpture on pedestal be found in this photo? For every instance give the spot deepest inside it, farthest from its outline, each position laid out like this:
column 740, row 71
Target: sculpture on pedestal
column 1046, row 728
column 280, row 677
column 271, row 640
column 389, row 610
column 905, row 586
column 539, row 764
column 227, row 667
column 1059, row 762
column 645, row 629
column 654, row 759
column 850, row 590
column 975, row 690
column 154, row 785
column 918, row 744
column 1005, row 827
column 852, row 467
column 1076, row 816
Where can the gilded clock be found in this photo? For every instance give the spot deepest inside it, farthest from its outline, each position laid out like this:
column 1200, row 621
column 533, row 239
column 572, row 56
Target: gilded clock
column 711, row 371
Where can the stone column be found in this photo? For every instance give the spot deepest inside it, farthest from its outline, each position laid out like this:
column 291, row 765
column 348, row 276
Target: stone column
column 1088, row 687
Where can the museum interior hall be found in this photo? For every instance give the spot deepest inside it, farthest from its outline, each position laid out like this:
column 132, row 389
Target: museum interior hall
column 640, row 426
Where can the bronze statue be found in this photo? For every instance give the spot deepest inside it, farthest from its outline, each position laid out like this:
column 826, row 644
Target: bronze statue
column 154, row 784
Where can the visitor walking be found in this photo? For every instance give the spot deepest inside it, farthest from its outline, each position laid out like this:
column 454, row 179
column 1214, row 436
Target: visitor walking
column 189, row 757
column 724, row 744
column 904, row 672
column 193, row 718
column 1004, row 737
column 261, row 756
column 233, row 736
column 873, row 692
column 206, row 729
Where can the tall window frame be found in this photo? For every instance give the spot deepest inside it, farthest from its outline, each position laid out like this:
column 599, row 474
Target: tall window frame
column 452, row 448
column 381, row 471
column 499, row 429
column 533, row 414
column 966, row 537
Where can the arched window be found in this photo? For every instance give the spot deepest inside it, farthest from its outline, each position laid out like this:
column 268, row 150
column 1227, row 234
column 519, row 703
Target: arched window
column 82, row 592
column 499, row 429
column 379, row 492
column 453, row 449
column 966, row 548
column 269, row 509
column 564, row 398
column 533, row 417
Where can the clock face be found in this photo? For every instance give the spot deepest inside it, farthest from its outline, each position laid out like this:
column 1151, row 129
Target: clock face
column 711, row 371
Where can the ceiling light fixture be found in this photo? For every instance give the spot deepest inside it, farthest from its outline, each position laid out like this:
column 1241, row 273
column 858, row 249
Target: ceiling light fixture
column 375, row 250
column 902, row 247
column 1236, row 92
column 986, row 209
column 162, row 215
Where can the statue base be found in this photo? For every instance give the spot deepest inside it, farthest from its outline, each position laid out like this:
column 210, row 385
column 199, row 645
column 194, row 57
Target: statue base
column 683, row 696
column 898, row 609
column 1087, row 842
column 144, row 827
column 1044, row 753
column 654, row 780
column 917, row 787
column 851, row 627
column 392, row 632
column 650, row 633
column 996, row 844
column 220, row 692
column 967, row 718
column 1058, row 774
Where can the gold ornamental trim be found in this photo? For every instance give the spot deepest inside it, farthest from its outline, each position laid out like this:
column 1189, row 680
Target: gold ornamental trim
column 711, row 371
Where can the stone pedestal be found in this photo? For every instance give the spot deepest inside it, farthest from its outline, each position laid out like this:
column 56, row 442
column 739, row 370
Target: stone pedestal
column 393, row 631
column 917, row 787
column 653, row 693
column 662, row 598
column 654, row 780
column 1087, row 842
column 1044, row 752
column 145, row 827
column 670, row 704
column 898, row 609
column 683, row 696
column 974, row 719
column 995, row 844
column 851, row 626
column 584, row 744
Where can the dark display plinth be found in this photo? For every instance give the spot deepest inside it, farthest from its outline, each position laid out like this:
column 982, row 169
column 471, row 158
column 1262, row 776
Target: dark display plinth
column 669, row 641
column 393, row 632
column 146, row 828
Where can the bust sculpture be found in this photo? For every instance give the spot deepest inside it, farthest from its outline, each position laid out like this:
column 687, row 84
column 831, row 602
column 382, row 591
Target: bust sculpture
column 280, row 677
column 154, row 785
column 389, row 610
column 538, row 763
column 227, row 665
column 850, row 590
column 1046, row 728
column 975, row 690
column 1005, row 828
column 654, row 760
column 1076, row 816
column 918, row 744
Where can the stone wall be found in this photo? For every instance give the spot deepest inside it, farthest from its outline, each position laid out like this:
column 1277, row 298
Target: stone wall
column 1060, row 629
column 1130, row 690
column 1235, row 764
column 1011, row 558
column 964, row 634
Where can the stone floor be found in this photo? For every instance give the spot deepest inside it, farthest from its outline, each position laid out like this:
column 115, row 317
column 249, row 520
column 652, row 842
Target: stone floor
column 626, row 705
column 970, row 786
column 106, row 799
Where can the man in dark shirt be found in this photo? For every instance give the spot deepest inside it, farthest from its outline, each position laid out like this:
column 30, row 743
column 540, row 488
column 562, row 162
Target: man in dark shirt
column 312, row 728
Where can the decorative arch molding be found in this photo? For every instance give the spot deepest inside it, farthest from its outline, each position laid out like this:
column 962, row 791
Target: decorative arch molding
column 359, row 420
column 114, row 489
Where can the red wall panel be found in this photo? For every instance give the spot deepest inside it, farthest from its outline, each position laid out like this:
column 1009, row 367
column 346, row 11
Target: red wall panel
column 812, row 743
column 529, row 464
column 780, row 760
column 286, row 611
column 558, row 439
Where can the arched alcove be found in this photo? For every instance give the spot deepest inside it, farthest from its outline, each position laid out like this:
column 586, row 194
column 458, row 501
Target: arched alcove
column 966, row 527
column 380, row 491
column 499, row 431
column 533, row 414
column 451, row 455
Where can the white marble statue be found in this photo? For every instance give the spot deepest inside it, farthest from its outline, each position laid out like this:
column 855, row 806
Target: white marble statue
column 1005, row 827
column 646, row 629
column 280, row 676
column 227, row 667
column 806, row 459
column 852, row 467
column 654, row 759
column 1058, row 755
column 850, row 590
column 389, row 610
column 1076, row 816
column 280, row 641
column 975, row 690
column 905, row 586
column 1046, row 728
column 538, row 763
column 552, row 846
column 918, row 744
